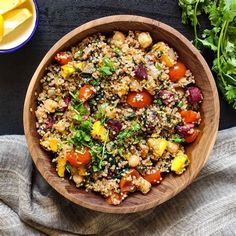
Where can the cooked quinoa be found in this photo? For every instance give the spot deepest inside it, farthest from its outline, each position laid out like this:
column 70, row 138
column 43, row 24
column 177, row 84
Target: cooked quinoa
column 116, row 111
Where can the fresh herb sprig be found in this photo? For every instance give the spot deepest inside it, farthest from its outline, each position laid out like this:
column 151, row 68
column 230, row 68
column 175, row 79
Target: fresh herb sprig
column 221, row 38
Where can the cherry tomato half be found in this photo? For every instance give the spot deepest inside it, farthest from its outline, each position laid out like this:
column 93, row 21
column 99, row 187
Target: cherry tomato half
column 86, row 92
column 71, row 158
column 190, row 116
column 139, row 99
column 191, row 138
column 177, row 71
column 126, row 184
column 79, row 159
column 153, row 176
column 63, row 58
column 85, row 157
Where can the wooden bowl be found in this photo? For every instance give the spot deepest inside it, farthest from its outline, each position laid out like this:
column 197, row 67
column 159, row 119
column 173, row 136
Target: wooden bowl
column 198, row 151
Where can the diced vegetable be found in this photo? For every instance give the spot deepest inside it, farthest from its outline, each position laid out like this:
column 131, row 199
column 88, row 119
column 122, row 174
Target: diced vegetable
column 86, row 92
column 126, row 182
column 179, row 163
column 185, row 130
column 114, row 199
column 99, row 132
column 67, row 71
column 191, row 138
column 158, row 145
column 140, row 72
column 194, row 95
column 153, row 176
column 190, row 116
column 61, row 166
column 51, row 144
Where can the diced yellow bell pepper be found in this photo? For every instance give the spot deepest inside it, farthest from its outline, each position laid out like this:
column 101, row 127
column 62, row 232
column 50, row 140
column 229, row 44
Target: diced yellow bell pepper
column 82, row 171
column 67, row 71
column 51, row 144
column 80, row 65
column 99, row 132
column 179, row 163
column 160, row 46
column 168, row 61
column 61, row 166
column 158, row 145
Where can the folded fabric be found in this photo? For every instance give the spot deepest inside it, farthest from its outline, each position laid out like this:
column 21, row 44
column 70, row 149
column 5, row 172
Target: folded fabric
column 29, row 206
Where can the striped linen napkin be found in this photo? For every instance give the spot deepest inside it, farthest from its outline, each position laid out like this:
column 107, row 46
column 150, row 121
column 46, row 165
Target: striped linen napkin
column 29, row 206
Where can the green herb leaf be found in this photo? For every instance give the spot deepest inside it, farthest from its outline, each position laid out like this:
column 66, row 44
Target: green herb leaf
column 68, row 167
column 107, row 67
column 177, row 139
column 117, row 51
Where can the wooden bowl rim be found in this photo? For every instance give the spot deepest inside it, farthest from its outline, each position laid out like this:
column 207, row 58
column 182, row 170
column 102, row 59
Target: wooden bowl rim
column 59, row 44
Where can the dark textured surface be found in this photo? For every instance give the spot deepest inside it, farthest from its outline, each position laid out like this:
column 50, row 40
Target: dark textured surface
column 58, row 18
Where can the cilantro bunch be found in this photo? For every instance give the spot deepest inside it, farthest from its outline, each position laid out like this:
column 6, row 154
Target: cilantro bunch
column 221, row 38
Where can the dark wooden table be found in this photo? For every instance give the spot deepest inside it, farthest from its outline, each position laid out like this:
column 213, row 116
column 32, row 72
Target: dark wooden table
column 57, row 17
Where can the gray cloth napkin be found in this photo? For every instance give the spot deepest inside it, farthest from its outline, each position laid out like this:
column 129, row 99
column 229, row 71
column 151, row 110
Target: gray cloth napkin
column 28, row 206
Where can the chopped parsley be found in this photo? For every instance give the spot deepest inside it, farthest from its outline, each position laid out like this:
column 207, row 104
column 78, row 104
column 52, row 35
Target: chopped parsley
column 107, row 67
column 177, row 139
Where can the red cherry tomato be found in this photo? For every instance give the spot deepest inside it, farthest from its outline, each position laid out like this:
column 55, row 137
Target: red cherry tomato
column 139, row 99
column 126, row 184
column 84, row 158
column 79, row 159
column 63, row 58
column 190, row 116
column 153, row 176
column 86, row 92
column 114, row 199
column 71, row 158
column 191, row 138
column 177, row 71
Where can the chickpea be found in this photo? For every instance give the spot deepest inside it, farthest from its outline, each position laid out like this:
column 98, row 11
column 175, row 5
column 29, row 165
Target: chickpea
column 134, row 161
column 119, row 36
column 78, row 180
column 145, row 39
column 60, row 126
column 50, row 105
column 173, row 147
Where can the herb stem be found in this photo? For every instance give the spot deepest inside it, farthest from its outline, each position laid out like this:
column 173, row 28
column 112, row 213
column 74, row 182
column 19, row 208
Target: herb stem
column 195, row 21
column 219, row 48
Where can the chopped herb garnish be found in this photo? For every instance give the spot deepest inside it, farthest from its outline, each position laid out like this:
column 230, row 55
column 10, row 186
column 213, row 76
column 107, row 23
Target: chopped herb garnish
column 118, row 51
column 158, row 66
column 177, row 139
column 107, row 67
column 101, row 113
column 158, row 101
column 68, row 167
column 180, row 104
column 77, row 117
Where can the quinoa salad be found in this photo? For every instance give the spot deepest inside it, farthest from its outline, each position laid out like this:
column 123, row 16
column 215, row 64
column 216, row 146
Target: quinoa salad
column 116, row 112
